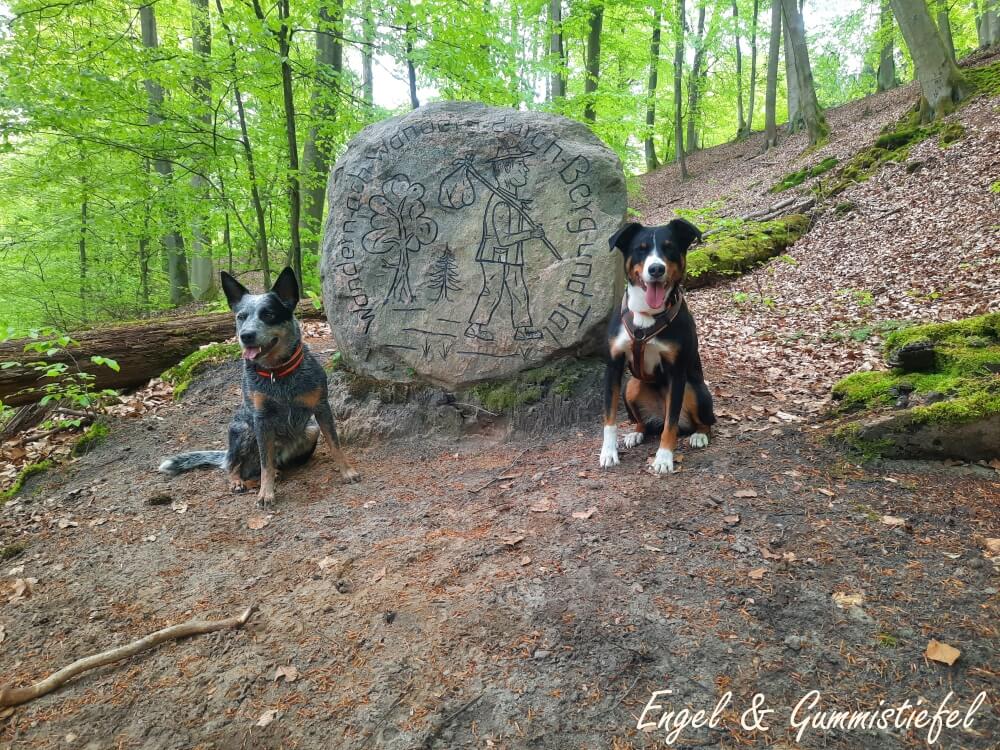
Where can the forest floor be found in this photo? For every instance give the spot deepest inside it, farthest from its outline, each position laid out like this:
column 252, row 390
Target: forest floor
column 500, row 590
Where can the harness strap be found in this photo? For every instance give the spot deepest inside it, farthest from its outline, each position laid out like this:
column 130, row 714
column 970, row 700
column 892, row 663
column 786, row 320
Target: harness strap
column 290, row 365
column 640, row 336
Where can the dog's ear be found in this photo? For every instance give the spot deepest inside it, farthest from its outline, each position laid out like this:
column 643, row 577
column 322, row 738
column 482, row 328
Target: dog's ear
column 685, row 232
column 623, row 236
column 234, row 290
column 287, row 288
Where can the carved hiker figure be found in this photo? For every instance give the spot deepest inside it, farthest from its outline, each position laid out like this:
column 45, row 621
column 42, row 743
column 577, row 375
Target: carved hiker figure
column 501, row 249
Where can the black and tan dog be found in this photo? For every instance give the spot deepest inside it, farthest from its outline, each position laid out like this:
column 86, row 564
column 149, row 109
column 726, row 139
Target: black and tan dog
column 285, row 403
column 654, row 334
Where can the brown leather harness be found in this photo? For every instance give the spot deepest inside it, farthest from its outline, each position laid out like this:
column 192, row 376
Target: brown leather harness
column 641, row 336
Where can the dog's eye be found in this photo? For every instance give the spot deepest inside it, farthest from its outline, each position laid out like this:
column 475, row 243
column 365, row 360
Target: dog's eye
column 241, row 317
column 266, row 315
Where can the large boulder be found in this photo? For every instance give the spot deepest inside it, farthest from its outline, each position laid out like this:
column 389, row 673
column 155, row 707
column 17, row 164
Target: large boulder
column 465, row 243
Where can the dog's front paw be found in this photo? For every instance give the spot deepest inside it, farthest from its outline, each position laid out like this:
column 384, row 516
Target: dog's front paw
column 632, row 439
column 609, row 457
column 265, row 497
column 698, row 440
column 238, row 486
column 663, row 462
column 350, row 475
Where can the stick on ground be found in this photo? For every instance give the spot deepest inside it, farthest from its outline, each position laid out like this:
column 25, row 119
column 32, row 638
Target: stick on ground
column 12, row 696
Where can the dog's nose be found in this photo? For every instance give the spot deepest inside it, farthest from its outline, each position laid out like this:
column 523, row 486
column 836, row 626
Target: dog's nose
column 248, row 338
column 657, row 270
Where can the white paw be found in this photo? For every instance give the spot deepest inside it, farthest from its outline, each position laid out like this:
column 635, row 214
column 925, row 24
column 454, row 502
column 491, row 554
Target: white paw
column 663, row 462
column 632, row 439
column 698, row 440
column 609, row 449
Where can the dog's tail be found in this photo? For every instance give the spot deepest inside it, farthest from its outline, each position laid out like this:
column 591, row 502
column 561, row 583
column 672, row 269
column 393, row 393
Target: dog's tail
column 194, row 460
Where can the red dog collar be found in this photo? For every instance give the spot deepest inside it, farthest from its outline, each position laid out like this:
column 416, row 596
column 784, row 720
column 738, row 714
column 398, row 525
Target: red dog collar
column 290, row 366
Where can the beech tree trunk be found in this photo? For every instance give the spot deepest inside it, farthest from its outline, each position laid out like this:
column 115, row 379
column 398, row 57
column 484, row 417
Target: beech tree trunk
column 288, row 100
column 795, row 120
column 173, row 243
column 944, row 26
column 593, row 63
column 411, row 68
column 557, row 78
column 367, row 54
column 753, row 67
column 941, row 83
column 771, row 94
column 316, row 151
column 695, row 82
column 808, row 104
column 678, row 89
column 654, row 63
column 740, row 121
column 988, row 24
column 202, row 271
column 887, row 63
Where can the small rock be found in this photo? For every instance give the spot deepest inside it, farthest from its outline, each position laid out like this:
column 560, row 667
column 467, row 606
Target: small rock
column 794, row 642
column 541, row 654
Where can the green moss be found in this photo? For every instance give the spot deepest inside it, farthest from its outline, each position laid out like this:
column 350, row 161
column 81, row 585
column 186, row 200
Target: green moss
column 735, row 250
column 91, row 437
column 28, row 471
column 967, row 360
column 531, row 386
column 985, row 79
column 850, row 435
column 179, row 376
column 950, row 132
column 995, row 187
column 798, row 177
column 10, row 551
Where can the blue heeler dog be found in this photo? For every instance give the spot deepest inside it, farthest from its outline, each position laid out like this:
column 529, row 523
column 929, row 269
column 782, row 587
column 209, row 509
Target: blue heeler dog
column 285, row 403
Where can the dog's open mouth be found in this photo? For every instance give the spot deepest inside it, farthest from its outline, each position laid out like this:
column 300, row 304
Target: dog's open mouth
column 656, row 293
column 253, row 352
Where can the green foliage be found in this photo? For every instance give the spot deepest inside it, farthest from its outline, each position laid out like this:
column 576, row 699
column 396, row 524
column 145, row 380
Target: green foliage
column 966, row 364
column 91, row 438
column 26, row 473
column 181, row 374
column 798, row 177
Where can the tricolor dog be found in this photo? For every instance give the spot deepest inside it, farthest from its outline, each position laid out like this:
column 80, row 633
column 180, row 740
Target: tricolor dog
column 285, row 405
column 653, row 334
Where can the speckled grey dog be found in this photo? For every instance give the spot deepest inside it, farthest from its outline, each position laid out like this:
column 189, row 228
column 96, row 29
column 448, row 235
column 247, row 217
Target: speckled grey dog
column 285, row 404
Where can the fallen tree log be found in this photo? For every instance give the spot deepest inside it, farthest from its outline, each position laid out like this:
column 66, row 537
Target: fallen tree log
column 142, row 350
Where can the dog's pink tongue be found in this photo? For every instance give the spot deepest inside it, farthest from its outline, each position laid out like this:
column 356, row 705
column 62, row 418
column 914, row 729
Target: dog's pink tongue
column 655, row 294
column 251, row 352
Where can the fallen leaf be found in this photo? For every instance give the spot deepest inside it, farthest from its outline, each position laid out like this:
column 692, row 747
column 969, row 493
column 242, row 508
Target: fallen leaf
column 525, row 560
column 22, row 588
column 98, row 522
column 731, row 520
column 179, row 506
column 379, row 576
column 788, row 557
column 258, row 522
column 893, row 521
column 993, row 546
column 290, row 673
column 942, row 652
column 757, row 574
column 651, row 548
column 768, row 553
column 513, row 540
column 267, row 717
column 583, row 515
column 3, row 634
column 542, row 506
column 66, row 523
column 150, row 538
column 845, row 600
column 326, row 562
column 825, row 491
column 745, row 493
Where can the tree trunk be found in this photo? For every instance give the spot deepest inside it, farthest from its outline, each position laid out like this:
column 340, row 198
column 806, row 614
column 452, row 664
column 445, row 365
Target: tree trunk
column 795, row 119
column 84, row 290
column 678, row 89
column 753, row 67
column 887, row 64
column 988, row 24
column 695, row 82
column 142, row 350
column 173, row 243
column 202, row 272
column 808, row 104
column 771, row 93
column 316, row 151
column 944, row 26
column 654, row 64
column 557, row 58
column 941, row 82
column 741, row 124
column 367, row 54
column 258, row 205
column 294, row 185
column 411, row 69
column 593, row 62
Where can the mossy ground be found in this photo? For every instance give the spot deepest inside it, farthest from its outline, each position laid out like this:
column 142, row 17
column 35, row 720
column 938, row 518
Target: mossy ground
column 967, row 363
column 531, row 386
column 90, row 438
column 798, row 177
column 179, row 376
column 984, row 79
column 10, row 551
column 28, row 471
column 738, row 249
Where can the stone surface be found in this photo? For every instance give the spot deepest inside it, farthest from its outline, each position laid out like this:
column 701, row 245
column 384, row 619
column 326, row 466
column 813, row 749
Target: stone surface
column 465, row 243
column 899, row 436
